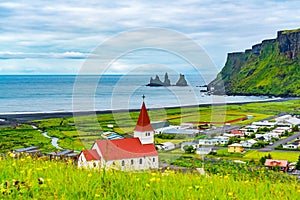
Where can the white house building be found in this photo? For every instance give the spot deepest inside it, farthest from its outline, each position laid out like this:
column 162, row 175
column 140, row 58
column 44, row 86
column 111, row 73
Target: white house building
column 222, row 139
column 248, row 143
column 166, row 146
column 288, row 119
column 137, row 153
column 264, row 124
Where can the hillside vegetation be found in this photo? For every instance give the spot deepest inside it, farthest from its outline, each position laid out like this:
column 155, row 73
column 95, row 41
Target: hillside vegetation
column 269, row 68
column 26, row 178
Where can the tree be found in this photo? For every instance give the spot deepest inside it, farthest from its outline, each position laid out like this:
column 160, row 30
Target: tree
column 264, row 158
column 189, row 149
column 298, row 164
column 296, row 128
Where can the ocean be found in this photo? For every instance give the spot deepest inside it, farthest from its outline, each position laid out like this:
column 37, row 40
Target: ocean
column 54, row 93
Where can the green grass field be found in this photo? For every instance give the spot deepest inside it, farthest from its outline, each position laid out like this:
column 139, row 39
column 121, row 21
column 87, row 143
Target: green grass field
column 88, row 129
column 290, row 156
column 256, row 155
column 36, row 179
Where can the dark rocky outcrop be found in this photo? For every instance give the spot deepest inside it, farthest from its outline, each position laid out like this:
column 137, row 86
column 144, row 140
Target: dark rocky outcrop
column 269, row 68
column 167, row 81
column 156, row 82
column 181, row 81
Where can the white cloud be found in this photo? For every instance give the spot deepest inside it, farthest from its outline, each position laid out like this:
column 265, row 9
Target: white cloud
column 25, row 55
column 58, row 29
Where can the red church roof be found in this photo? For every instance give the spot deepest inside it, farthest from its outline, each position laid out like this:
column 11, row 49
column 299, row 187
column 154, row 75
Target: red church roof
column 125, row 148
column 143, row 124
column 91, row 155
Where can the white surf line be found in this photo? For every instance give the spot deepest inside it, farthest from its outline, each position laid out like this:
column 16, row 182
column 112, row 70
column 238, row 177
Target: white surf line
column 54, row 140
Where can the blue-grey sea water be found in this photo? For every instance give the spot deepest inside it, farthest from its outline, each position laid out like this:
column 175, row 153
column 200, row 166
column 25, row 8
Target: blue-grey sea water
column 52, row 93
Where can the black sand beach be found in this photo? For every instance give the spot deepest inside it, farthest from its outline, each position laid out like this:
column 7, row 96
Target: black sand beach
column 13, row 119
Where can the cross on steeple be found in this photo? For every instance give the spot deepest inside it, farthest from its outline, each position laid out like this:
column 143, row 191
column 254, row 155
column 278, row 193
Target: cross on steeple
column 143, row 97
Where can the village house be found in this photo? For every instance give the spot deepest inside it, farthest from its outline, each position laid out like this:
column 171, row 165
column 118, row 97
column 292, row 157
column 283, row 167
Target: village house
column 208, row 142
column 235, row 148
column 166, row 146
column 137, row 153
column 203, row 150
column 288, row 119
column 281, row 164
column 249, row 129
column 292, row 145
column 222, row 139
column 248, row 143
column 281, row 130
column 263, row 124
column 159, row 126
column 237, row 132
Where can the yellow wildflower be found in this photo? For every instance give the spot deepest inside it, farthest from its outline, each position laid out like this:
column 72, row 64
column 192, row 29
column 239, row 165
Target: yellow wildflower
column 97, row 195
column 230, row 193
column 147, row 185
column 89, row 175
column 152, row 179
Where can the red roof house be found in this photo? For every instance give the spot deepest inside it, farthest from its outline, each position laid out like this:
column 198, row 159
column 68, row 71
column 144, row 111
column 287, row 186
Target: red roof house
column 281, row 164
column 237, row 132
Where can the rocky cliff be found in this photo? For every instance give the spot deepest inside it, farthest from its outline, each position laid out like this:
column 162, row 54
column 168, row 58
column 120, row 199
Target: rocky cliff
column 268, row 68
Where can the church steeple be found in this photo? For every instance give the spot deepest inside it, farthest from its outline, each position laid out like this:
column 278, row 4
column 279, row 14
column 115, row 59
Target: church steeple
column 143, row 129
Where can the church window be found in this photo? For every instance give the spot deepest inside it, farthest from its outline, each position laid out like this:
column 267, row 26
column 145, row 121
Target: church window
column 95, row 164
column 153, row 159
column 131, row 161
column 141, row 161
column 123, row 162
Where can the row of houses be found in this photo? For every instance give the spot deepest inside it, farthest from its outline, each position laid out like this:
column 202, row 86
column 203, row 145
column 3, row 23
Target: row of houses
column 34, row 151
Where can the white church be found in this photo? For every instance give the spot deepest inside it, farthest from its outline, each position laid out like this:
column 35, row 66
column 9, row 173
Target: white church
column 137, row 153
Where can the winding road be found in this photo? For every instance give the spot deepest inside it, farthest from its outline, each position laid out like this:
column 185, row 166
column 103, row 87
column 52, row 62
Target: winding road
column 279, row 142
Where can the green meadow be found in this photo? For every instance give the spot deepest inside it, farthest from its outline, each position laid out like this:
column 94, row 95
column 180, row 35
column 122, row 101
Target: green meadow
column 89, row 128
column 28, row 178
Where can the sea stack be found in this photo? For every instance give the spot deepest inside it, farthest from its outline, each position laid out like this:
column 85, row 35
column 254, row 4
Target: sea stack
column 181, row 81
column 156, row 82
column 167, row 81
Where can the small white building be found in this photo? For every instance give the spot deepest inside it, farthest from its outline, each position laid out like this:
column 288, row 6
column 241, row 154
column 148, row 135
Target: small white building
column 281, row 130
column 248, row 143
column 193, row 144
column 222, row 139
column 166, row 146
column 264, row 124
column 208, row 142
column 203, row 150
column 293, row 145
column 266, row 137
column 288, row 119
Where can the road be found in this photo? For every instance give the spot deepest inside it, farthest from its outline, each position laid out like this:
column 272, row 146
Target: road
column 279, row 142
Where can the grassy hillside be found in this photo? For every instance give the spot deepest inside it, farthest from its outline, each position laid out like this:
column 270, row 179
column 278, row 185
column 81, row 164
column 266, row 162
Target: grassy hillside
column 271, row 69
column 37, row 179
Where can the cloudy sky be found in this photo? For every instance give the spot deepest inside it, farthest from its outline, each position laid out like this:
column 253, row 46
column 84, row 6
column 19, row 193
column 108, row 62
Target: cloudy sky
column 55, row 37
